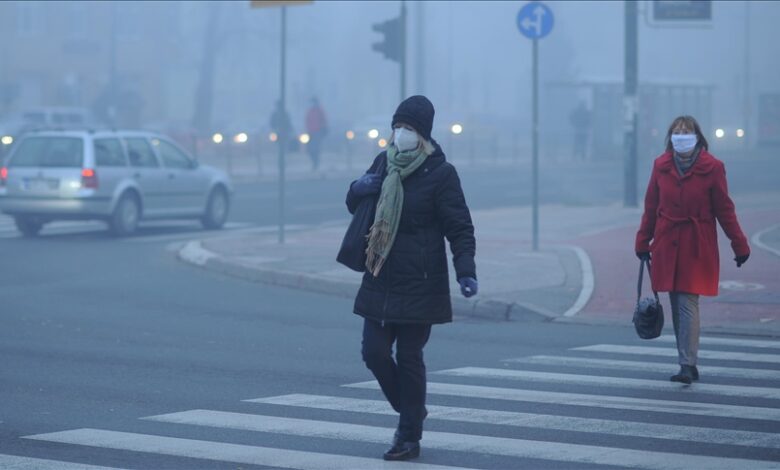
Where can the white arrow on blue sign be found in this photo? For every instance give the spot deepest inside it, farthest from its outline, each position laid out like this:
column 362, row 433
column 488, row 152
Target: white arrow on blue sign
column 535, row 20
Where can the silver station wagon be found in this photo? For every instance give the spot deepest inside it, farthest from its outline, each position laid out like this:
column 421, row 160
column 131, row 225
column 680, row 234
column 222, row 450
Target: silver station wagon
column 120, row 177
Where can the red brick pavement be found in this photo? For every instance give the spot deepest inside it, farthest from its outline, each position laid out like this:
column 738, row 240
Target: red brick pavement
column 749, row 295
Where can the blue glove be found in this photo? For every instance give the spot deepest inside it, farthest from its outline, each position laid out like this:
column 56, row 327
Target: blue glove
column 370, row 183
column 468, row 286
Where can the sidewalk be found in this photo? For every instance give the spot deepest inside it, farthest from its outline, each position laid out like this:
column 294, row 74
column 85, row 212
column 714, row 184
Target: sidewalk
column 585, row 270
column 516, row 283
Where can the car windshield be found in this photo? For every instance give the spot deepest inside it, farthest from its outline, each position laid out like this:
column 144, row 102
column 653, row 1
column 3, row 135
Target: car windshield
column 48, row 152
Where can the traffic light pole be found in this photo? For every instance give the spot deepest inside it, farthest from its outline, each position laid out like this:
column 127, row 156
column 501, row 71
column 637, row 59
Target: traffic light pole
column 283, row 137
column 535, row 145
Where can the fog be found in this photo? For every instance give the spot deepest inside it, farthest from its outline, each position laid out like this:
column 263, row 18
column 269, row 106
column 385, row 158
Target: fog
column 214, row 67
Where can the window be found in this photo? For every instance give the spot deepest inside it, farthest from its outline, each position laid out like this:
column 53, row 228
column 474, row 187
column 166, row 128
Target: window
column 171, row 156
column 109, row 152
column 61, row 152
column 140, row 153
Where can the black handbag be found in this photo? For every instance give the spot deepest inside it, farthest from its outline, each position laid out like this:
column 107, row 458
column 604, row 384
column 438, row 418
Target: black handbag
column 648, row 314
column 352, row 253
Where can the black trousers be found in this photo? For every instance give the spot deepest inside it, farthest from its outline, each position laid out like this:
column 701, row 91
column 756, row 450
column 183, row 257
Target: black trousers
column 402, row 380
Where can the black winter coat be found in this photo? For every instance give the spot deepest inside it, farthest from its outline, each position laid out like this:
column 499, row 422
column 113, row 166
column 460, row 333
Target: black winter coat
column 413, row 285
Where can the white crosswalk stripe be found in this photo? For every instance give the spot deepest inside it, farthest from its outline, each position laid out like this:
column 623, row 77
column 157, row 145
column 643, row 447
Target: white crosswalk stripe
column 612, row 382
column 461, row 442
column 236, row 453
column 684, row 415
column 599, row 401
column 539, row 421
column 671, row 352
column 14, row 462
column 741, row 342
column 658, row 367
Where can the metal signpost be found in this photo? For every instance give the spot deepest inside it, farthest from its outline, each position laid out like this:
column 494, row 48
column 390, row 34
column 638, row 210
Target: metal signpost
column 535, row 21
column 283, row 139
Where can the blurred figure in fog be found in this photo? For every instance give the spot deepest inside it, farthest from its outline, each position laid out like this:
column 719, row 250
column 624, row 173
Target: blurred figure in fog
column 580, row 121
column 686, row 194
column 282, row 126
column 405, row 288
column 316, row 127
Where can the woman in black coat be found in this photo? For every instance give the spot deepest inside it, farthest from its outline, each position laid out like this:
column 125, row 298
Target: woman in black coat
column 405, row 289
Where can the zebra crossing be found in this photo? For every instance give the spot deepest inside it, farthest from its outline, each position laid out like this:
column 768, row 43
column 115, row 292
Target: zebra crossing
column 500, row 413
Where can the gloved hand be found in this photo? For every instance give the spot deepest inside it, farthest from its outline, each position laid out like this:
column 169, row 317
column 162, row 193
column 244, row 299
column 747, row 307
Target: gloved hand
column 370, row 183
column 468, row 286
column 741, row 259
column 643, row 255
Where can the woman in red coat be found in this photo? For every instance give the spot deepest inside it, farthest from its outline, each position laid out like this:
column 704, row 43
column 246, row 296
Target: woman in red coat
column 686, row 194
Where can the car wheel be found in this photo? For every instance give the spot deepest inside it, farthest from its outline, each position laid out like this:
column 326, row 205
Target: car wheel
column 29, row 226
column 217, row 208
column 124, row 220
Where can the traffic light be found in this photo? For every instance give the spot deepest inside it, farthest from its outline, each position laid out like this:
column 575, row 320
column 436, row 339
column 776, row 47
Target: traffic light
column 392, row 47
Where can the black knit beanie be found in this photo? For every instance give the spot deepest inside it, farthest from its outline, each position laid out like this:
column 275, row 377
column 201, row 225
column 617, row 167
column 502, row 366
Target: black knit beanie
column 417, row 111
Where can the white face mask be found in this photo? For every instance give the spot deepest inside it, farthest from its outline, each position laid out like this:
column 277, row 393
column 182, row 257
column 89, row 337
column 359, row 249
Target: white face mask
column 405, row 139
column 683, row 143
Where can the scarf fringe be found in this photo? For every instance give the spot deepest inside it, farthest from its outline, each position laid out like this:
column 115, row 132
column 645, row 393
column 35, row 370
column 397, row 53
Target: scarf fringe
column 378, row 237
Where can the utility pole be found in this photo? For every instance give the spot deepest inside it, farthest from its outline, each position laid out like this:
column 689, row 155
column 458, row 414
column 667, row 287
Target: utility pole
column 420, row 49
column 283, row 137
column 746, row 100
column 112, row 85
column 402, row 40
column 630, row 103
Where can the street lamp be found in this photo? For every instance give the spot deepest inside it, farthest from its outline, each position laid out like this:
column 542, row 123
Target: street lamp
column 740, row 133
column 350, row 135
column 719, row 133
column 373, row 134
column 273, row 137
column 217, row 138
column 457, row 129
column 382, row 143
column 240, row 138
column 7, row 140
column 304, row 139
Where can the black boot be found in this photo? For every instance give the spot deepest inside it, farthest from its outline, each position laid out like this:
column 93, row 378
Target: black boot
column 685, row 375
column 694, row 373
column 403, row 451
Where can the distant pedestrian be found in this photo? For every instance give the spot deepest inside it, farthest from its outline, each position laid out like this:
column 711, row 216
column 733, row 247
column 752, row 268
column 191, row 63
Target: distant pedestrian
column 686, row 194
column 317, row 128
column 580, row 119
column 281, row 125
column 405, row 289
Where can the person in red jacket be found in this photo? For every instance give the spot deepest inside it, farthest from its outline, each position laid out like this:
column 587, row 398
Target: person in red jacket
column 687, row 193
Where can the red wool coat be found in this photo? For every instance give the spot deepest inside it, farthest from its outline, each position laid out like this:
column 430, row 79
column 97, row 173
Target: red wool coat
column 678, row 225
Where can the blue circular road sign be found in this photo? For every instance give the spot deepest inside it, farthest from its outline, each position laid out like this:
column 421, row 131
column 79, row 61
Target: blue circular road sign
column 535, row 20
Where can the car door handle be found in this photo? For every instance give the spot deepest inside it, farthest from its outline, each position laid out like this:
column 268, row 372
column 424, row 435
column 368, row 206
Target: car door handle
column 137, row 175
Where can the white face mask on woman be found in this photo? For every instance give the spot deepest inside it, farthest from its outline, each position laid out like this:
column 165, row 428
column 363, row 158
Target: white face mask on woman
column 405, row 139
column 684, row 143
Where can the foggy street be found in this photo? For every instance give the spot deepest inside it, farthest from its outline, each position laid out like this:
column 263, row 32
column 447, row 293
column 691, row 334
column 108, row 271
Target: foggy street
column 397, row 234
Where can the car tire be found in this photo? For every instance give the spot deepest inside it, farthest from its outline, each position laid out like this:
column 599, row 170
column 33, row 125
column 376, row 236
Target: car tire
column 217, row 208
column 127, row 213
column 29, row 226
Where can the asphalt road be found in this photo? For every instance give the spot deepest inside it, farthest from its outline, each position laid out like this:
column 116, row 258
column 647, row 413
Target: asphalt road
column 98, row 333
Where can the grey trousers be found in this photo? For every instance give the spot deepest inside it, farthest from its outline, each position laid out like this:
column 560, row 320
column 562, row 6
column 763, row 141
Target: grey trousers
column 685, row 316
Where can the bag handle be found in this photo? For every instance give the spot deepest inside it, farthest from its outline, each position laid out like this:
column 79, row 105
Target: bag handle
column 642, row 263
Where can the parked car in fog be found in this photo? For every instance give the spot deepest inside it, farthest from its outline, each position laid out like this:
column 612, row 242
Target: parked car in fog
column 120, row 177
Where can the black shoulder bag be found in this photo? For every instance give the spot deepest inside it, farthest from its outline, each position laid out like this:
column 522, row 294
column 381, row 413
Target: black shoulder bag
column 352, row 253
column 648, row 314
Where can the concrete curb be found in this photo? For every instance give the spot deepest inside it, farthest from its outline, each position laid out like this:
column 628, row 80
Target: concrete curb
column 486, row 309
